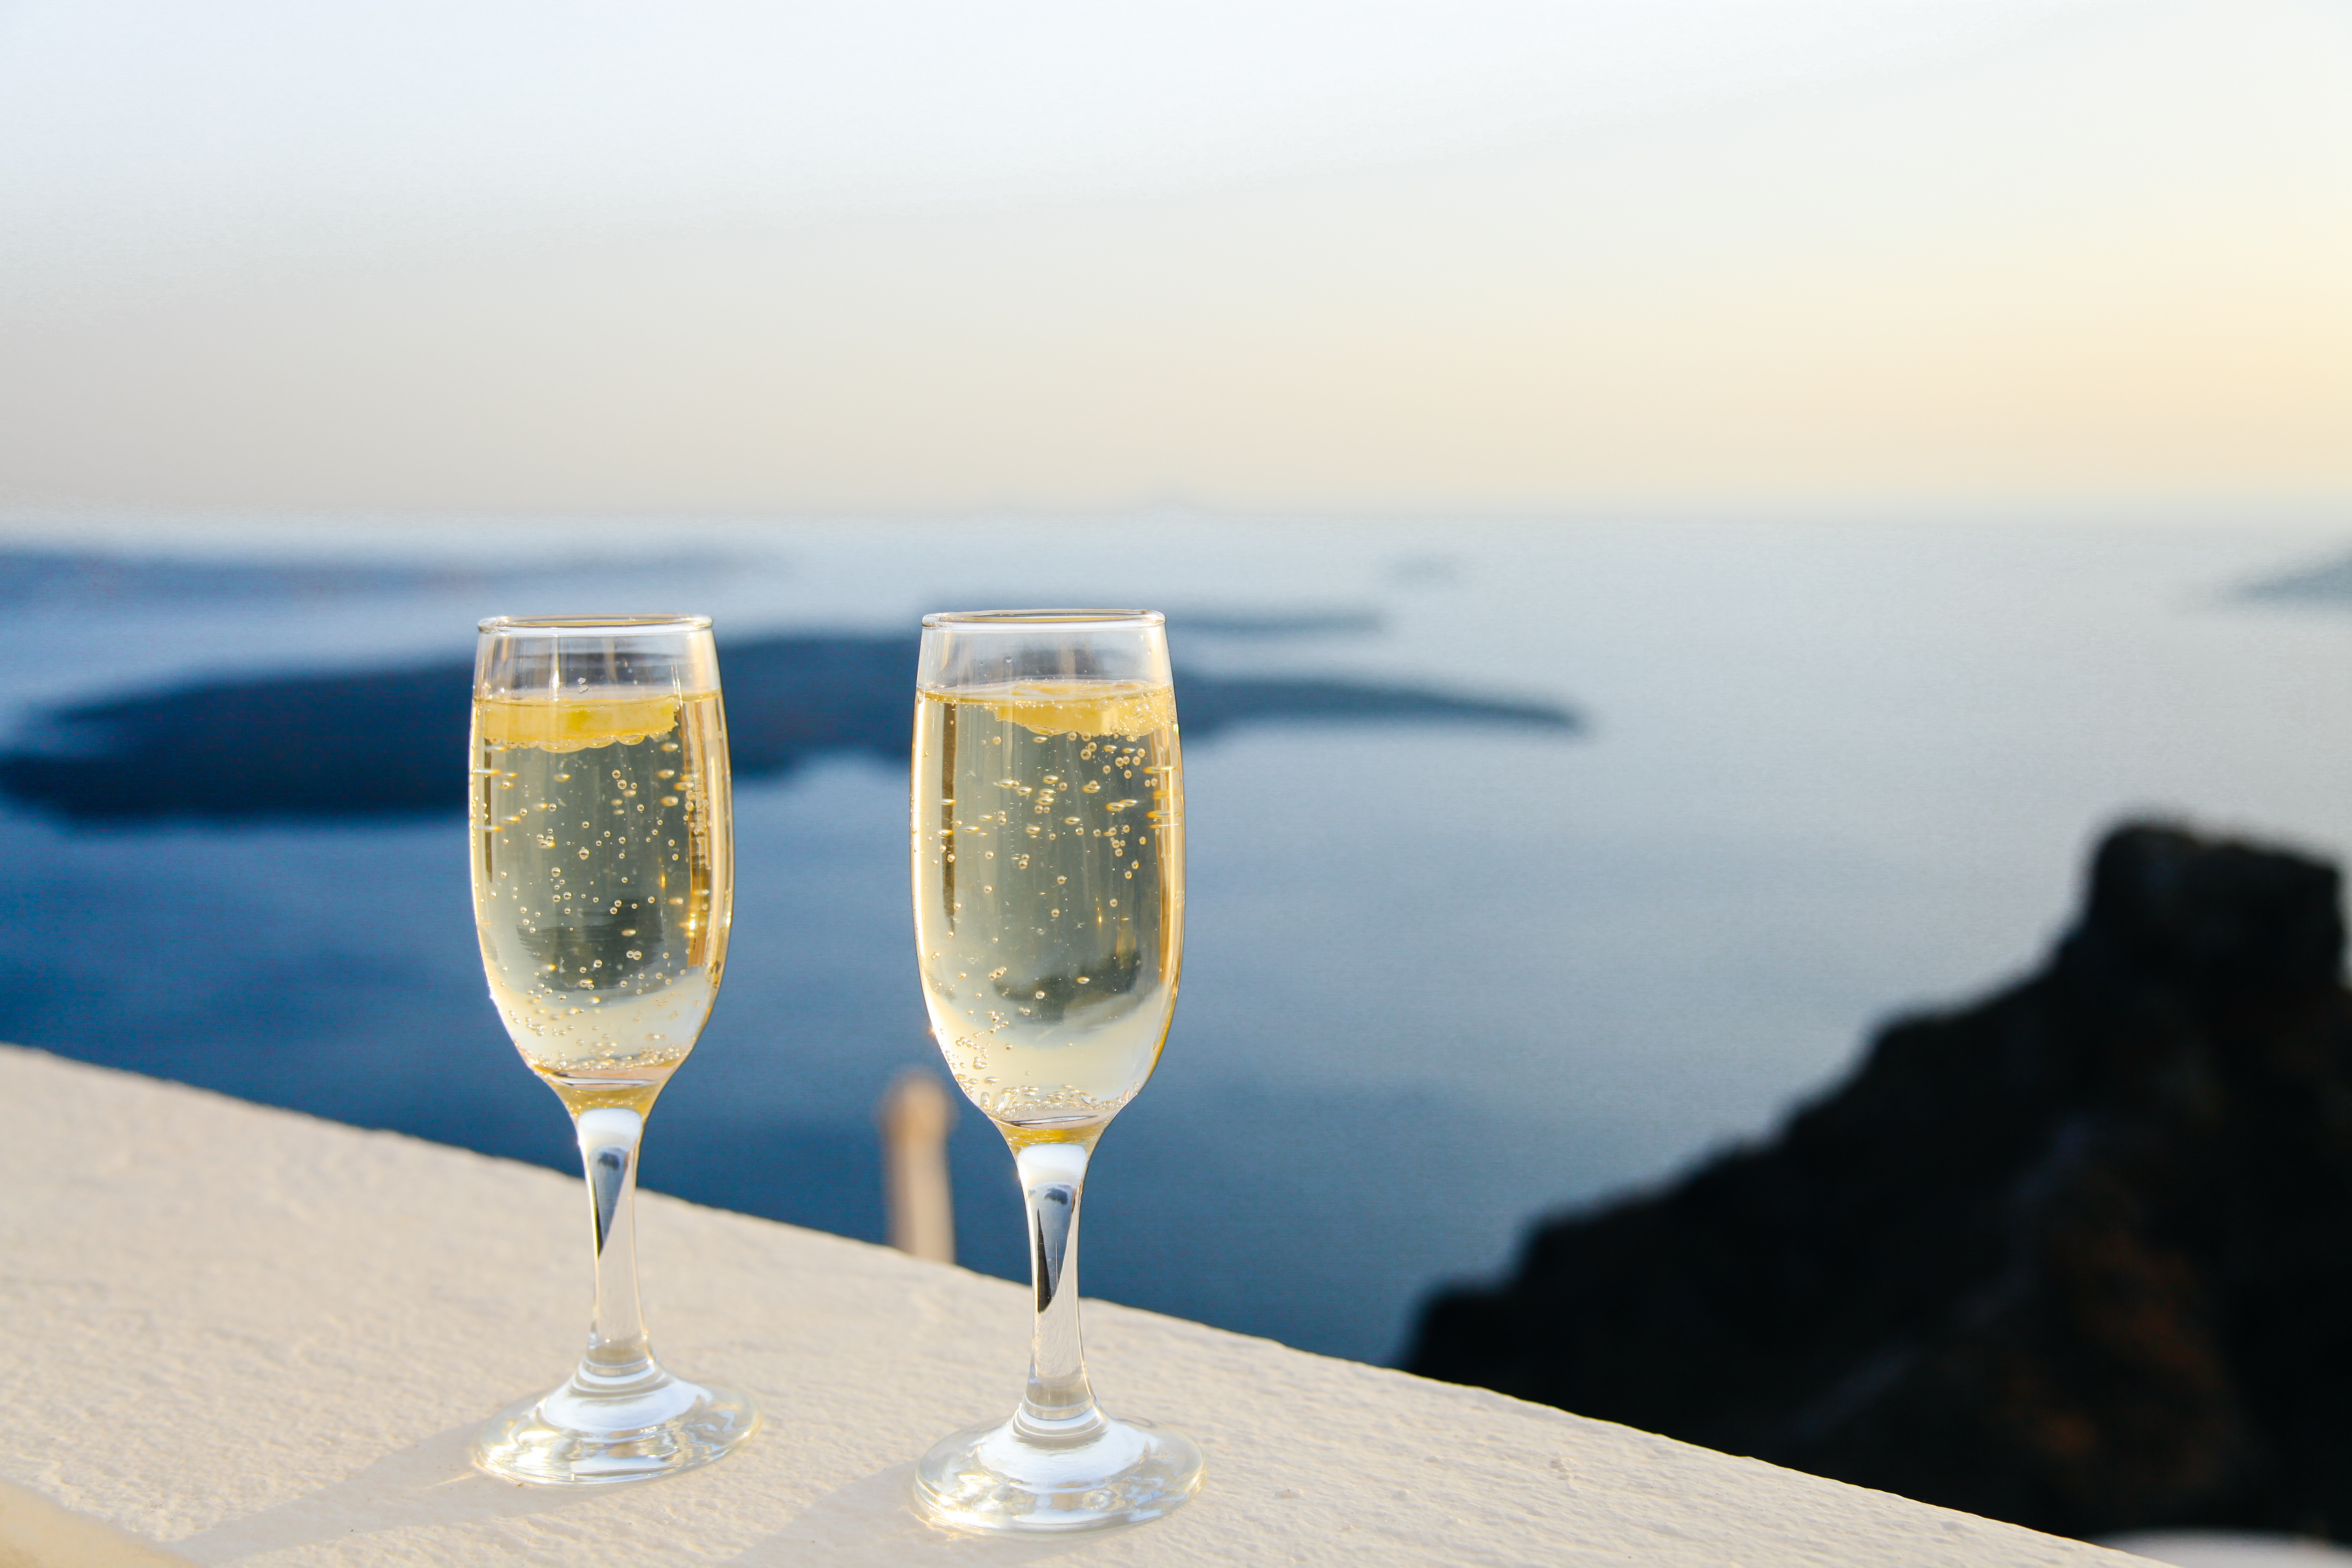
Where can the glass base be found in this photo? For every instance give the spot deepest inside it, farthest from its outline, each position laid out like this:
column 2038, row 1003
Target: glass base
column 581, row 1434
column 1018, row 1477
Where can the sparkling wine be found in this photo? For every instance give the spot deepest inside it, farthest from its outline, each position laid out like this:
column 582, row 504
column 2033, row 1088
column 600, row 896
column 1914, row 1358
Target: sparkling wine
column 1049, row 888
column 602, row 882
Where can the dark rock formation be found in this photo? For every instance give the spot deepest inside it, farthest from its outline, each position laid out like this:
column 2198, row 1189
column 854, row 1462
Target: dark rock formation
column 2078, row 1257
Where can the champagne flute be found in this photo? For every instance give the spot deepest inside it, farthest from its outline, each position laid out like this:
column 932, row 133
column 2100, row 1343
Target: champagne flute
column 604, row 880
column 1048, row 850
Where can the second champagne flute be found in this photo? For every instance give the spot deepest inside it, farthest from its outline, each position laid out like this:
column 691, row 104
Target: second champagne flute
column 603, row 876
column 1049, row 918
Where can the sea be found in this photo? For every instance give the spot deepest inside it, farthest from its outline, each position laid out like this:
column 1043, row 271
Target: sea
column 1531, row 862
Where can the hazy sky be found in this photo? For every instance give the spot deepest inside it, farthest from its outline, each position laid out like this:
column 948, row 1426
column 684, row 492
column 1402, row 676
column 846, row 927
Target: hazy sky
column 1402, row 256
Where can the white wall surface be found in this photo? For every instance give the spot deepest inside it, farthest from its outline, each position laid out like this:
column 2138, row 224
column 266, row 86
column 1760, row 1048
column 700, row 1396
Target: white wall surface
column 264, row 1340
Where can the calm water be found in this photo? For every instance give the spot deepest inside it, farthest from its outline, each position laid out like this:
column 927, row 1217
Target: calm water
column 1452, row 960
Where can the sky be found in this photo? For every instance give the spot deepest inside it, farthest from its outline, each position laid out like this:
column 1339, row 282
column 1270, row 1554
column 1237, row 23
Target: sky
column 1400, row 257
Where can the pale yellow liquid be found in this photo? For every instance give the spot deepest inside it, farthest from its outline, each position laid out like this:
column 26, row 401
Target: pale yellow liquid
column 1049, row 892
column 603, row 876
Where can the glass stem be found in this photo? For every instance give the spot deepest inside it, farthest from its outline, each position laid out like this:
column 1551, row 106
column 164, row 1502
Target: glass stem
column 1059, row 1402
column 618, row 1351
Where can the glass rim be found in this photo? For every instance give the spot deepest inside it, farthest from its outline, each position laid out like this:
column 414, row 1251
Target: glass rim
column 983, row 620
column 559, row 625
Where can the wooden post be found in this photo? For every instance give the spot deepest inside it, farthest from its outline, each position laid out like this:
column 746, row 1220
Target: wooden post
column 916, row 1113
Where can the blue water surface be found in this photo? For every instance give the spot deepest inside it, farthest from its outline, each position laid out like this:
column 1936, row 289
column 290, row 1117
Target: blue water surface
column 1450, row 965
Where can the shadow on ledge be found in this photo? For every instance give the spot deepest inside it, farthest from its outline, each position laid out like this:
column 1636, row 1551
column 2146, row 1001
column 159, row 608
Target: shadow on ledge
column 2078, row 1257
column 388, row 743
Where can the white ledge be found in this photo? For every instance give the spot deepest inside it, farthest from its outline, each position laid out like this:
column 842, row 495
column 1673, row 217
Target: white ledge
column 260, row 1339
